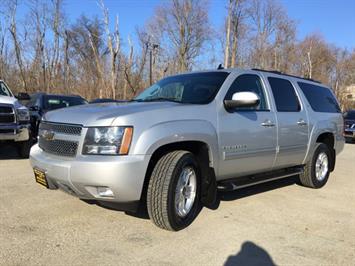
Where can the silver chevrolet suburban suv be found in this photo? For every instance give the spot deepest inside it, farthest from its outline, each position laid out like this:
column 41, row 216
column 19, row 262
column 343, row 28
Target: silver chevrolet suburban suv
column 14, row 122
column 181, row 140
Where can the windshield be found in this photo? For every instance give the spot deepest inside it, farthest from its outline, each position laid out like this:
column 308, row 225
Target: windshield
column 196, row 88
column 4, row 91
column 350, row 115
column 52, row 102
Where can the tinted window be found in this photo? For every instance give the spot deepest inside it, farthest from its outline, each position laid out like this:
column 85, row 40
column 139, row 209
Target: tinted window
column 320, row 98
column 52, row 102
column 198, row 88
column 4, row 91
column 32, row 101
column 251, row 83
column 350, row 115
column 284, row 94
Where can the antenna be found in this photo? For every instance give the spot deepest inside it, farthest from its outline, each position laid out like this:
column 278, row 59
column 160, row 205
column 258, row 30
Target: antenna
column 220, row 66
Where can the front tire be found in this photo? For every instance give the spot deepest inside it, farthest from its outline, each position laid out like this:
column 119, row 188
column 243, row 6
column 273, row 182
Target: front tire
column 173, row 196
column 23, row 148
column 317, row 170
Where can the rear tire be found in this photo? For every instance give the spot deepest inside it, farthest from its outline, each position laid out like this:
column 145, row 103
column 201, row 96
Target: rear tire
column 175, row 180
column 317, row 170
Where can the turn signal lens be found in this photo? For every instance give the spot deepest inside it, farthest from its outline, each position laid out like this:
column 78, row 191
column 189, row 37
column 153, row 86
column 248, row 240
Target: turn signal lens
column 126, row 141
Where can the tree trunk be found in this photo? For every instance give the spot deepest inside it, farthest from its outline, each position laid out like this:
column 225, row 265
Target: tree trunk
column 226, row 49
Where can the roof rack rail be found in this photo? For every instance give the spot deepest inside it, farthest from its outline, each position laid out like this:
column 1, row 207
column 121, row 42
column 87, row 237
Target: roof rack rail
column 284, row 74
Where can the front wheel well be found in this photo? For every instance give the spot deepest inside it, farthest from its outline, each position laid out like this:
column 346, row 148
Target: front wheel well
column 201, row 151
column 328, row 139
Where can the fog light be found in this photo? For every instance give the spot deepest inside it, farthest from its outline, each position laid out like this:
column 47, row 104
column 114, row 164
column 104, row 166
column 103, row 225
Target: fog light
column 104, row 192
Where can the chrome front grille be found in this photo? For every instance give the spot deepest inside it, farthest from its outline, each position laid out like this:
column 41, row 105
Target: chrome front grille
column 7, row 131
column 59, row 147
column 7, row 114
column 67, row 129
column 6, row 109
column 59, row 139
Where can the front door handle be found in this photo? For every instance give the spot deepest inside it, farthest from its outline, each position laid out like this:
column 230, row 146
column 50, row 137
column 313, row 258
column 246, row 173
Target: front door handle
column 301, row 122
column 267, row 123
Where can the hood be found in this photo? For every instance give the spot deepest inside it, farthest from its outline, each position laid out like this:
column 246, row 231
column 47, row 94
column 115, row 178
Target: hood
column 103, row 114
column 8, row 100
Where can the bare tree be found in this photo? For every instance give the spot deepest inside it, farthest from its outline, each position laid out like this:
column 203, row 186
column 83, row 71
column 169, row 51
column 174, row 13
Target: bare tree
column 127, row 70
column 185, row 25
column 3, row 62
column 66, row 61
column 40, row 51
column 228, row 33
column 264, row 16
column 38, row 66
column 316, row 58
column 284, row 45
column 235, row 29
column 238, row 29
column 16, row 42
column 135, row 66
column 341, row 77
column 87, row 51
column 56, row 26
column 113, row 43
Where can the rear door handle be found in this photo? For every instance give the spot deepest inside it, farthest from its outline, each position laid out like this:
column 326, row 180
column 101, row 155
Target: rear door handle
column 301, row 122
column 268, row 123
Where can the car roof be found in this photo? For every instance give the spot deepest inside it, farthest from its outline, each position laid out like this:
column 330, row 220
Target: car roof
column 260, row 71
column 56, row 95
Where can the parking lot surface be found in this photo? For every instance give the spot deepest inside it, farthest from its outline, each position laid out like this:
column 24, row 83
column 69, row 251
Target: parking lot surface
column 277, row 223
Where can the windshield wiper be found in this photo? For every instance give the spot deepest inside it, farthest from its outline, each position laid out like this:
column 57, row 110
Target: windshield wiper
column 159, row 99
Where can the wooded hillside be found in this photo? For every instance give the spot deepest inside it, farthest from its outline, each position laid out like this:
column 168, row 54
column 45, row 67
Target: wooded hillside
column 44, row 51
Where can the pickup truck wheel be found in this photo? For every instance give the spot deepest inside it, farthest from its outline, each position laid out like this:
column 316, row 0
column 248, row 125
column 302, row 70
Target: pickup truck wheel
column 23, row 148
column 173, row 196
column 317, row 170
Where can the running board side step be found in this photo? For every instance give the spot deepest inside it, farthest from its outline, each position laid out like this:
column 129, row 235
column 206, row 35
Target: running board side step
column 251, row 180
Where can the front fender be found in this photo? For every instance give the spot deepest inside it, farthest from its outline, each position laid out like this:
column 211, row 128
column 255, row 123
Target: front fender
column 177, row 131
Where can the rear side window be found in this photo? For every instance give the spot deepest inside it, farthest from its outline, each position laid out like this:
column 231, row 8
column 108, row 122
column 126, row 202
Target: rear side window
column 284, row 94
column 320, row 98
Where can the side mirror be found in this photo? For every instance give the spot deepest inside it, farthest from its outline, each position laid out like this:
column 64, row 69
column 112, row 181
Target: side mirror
column 23, row 96
column 242, row 99
column 34, row 108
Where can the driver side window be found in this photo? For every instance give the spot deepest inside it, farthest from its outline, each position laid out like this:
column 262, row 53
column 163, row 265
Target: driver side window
column 4, row 91
column 248, row 83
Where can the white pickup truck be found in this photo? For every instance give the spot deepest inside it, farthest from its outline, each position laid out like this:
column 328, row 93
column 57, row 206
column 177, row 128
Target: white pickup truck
column 14, row 121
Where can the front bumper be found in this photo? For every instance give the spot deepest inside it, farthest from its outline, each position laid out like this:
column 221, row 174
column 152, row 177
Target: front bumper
column 349, row 133
column 15, row 132
column 80, row 176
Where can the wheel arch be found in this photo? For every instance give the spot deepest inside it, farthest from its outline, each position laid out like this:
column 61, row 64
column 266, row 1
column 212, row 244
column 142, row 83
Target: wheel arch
column 203, row 154
column 328, row 139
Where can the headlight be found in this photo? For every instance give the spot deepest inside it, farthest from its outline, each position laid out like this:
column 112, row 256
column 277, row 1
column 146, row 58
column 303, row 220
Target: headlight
column 108, row 140
column 23, row 114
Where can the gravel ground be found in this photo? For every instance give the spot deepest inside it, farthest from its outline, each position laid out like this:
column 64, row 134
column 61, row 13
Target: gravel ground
column 279, row 223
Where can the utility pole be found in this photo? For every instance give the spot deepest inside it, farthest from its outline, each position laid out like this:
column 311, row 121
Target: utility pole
column 150, row 67
column 151, row 47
